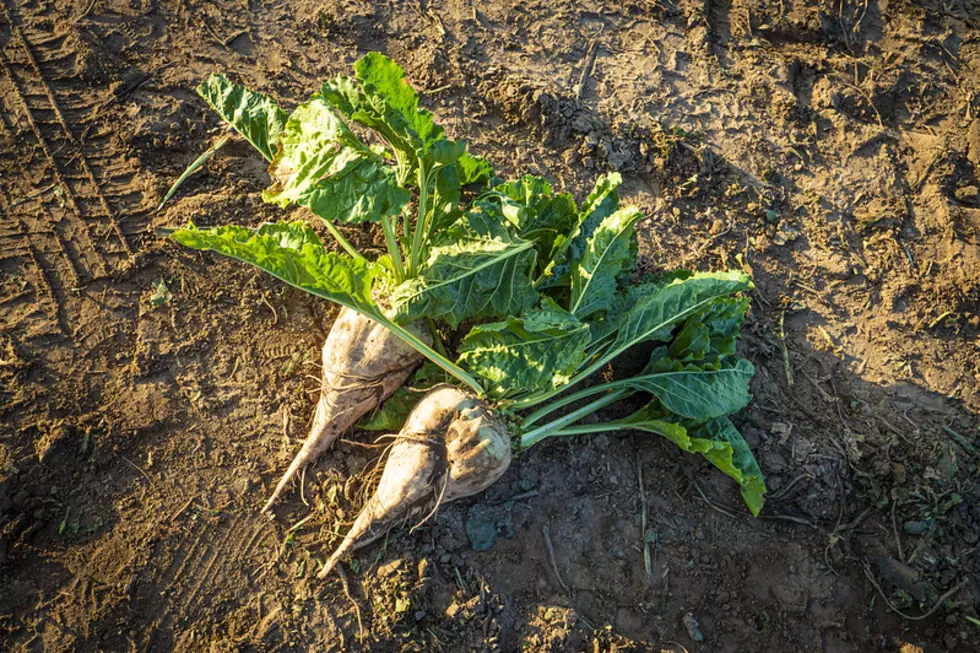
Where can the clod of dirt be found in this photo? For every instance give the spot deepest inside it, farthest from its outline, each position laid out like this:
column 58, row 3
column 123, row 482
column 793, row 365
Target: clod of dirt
column 93, row 62
column 49, row 440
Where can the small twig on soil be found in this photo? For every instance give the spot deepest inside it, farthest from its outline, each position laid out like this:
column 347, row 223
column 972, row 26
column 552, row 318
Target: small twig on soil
column 84, row 14
column 275, row 316
column 790, row 518
column 235, row 36
column 220, row 41
column 200, row 161
column 928, row 170
column 137, row 468
column 357, row 609
column 857, row 521
column 840, row 21
column 28, row 198
column 184, row 507
column 302, row 484
column 710, row 503
column 857, row 26
column 678, row 645
column 518, row 497
column 939, row 602
column 936, row 322
column 551, row 556
column 787, row 366
column 781, row 492
column 864, row 94
column 898, row 540
column 586, row 71
column 908, row 254
column 300, row 522
column 285, row 421
column 894, row 430
column 823, row 393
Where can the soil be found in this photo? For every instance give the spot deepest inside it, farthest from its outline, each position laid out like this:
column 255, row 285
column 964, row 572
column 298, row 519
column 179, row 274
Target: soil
column 151, row 396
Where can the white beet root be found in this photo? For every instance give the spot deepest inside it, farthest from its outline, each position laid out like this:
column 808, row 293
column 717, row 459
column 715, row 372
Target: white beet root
column 363, row 364
column 451, row 446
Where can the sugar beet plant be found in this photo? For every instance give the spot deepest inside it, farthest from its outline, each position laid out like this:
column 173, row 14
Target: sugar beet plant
column 546, row 285
column 440, row 263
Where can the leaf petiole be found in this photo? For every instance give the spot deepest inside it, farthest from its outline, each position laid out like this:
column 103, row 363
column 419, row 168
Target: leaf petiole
column 546, row 410
column 343, row 242
column 420, row 221
column 532, row 437
column 392, row 244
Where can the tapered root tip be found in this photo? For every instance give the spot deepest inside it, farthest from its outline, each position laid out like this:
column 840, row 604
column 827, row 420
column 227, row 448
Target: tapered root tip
column 330, row 564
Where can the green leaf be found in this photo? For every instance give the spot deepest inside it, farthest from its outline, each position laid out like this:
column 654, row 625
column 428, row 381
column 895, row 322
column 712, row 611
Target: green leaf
column 476, row 268
column 253, row 115
column 752, row 480
column 392, row 415
column 651, row 283
column 538, row 216
column 692, row 342
column 699, row 393
column 529, row 190
column 609, row 252
column 718, row 441
column 322, row 165
column 602, row 202
column 445, row 200
column 472, row 169
column 539, row 350
column 382, row 99
column 654, row 316
column 395, row 410
column 292, row 252
column 724, row 323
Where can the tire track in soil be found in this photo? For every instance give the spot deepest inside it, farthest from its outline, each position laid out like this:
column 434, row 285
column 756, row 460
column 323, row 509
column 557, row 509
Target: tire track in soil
column 67, row 198
column 201, row 565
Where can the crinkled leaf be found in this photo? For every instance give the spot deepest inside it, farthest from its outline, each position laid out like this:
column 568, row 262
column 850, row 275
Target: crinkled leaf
column 472, row 169
column 718, row 441
column 654, row 316
column 253, row 115
column 692, row 342
column 323, row 166
column 602, row 202
column 381, row 98
column 529, row 190
column 604, row 326
column 476, row 268
column 537, row 351
column 724, row 322
column 608, row 253
column 292, row 252
column 550, row 223
column 699, row 393
column 651, row 283
column 445, row 199
column 538, row 216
